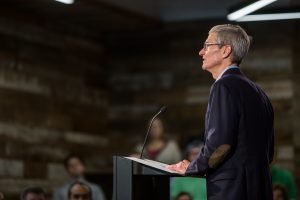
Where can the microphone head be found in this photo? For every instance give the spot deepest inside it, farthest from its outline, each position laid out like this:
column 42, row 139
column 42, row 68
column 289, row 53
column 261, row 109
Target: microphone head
column 163, row 109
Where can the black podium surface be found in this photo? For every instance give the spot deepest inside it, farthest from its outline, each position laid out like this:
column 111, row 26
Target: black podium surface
column 141, row 179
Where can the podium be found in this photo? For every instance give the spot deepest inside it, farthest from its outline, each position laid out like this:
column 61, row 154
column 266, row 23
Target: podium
column 141, row 179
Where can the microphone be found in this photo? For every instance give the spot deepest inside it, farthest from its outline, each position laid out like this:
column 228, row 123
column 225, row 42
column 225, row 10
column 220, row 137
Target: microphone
column 162, row 109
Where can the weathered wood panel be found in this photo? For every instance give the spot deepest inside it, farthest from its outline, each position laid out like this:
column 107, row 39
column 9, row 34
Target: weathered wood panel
column 53, row 101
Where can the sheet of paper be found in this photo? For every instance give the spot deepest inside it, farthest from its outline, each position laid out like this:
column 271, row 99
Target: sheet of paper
column 152, row 163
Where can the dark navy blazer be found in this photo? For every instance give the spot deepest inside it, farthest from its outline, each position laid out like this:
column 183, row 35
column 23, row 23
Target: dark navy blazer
column 239, row 141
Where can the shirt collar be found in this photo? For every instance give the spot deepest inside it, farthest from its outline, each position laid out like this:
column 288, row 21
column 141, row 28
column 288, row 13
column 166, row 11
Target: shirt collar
column 227, row 68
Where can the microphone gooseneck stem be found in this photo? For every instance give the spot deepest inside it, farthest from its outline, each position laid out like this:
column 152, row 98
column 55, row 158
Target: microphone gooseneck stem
column 146, row 137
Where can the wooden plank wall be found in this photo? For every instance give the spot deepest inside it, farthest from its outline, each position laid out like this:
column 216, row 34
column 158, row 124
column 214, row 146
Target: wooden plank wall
column 53, row 101
column 64, row 93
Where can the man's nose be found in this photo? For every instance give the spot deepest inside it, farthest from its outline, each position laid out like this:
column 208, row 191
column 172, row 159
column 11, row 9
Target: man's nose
column 201, row 52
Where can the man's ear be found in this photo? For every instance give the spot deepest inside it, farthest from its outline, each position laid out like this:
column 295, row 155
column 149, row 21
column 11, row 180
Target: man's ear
column 226, row 51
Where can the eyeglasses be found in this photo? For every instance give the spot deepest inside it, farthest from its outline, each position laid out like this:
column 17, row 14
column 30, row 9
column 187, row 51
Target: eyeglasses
column 206, row 45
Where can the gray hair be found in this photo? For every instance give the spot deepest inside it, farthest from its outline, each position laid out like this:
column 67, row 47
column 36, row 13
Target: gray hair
column 236, row 37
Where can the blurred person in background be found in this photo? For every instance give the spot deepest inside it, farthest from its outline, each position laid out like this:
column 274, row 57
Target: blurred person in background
column 196, row 187
column 75, row 167
column 283, row 177
column 80, row 191
column 184, row 196
column 33, row 193
column 279, row 192
column 159, row 147
column 192, row 150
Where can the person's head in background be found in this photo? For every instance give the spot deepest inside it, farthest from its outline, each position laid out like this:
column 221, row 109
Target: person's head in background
column 157, row 130
column 75, row 166
column 193, row 149
column 279, row 192
column 33, row 193
column 79, row 191
column 184, row 196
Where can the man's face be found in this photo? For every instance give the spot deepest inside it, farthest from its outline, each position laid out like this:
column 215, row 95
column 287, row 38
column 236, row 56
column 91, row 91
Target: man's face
column 184, row 197
column 33, row 196
column 156, row 129
column 75, row 167
column 277, row 195
column 212, row 56
column 80, row 192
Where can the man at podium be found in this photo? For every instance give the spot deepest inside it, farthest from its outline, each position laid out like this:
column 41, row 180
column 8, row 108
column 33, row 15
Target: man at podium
column 239, row 136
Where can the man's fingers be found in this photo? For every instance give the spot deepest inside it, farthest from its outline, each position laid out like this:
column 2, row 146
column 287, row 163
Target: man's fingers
column 179, row 167
column 172, row 167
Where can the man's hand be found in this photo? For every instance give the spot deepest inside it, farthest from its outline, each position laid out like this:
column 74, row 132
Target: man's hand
column 179, row 167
